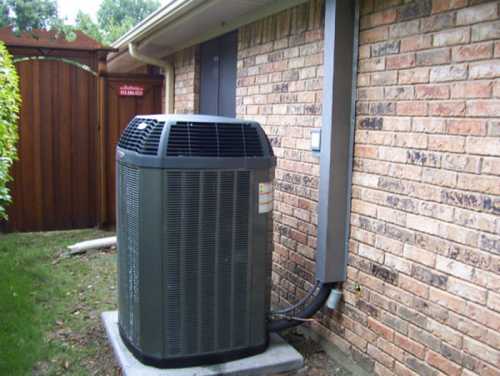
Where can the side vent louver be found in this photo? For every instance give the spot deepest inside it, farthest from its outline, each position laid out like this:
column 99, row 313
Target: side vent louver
column 142, row 136
column 213, row 140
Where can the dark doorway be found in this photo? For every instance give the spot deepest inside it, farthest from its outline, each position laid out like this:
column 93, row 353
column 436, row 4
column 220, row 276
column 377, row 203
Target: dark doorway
column 218, row 75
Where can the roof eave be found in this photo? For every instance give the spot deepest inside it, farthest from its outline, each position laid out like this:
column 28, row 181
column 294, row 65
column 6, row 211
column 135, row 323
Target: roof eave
column 155, row 20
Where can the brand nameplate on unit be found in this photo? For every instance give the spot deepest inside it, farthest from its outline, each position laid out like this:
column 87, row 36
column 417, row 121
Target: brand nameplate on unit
column 265, row 197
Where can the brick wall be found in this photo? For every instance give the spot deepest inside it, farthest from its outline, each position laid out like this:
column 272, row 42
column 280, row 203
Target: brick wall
column 187, row 78
column 279, row 83
column 423, row 289
column 424, row 269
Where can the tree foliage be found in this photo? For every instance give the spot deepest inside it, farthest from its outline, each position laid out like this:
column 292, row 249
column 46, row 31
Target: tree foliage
column 115, row 17
column 25, row 15
column 84, row 22
column 9, row 111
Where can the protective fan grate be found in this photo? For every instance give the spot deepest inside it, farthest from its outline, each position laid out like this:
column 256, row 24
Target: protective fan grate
column 191, row 139
column 142, row 136
column 207, row 248
column 130, row 223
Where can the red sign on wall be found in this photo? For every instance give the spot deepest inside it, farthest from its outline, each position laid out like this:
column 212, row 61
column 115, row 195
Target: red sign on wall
column 131, row 91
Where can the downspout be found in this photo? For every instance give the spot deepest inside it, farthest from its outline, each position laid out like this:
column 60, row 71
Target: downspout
column 168, row 70
column 339, row 85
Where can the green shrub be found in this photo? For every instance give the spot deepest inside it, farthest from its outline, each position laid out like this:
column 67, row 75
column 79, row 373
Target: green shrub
column 9, row 114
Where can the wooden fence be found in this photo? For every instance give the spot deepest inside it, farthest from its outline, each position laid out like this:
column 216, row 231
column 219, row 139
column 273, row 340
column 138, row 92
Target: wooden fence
column 71, row 116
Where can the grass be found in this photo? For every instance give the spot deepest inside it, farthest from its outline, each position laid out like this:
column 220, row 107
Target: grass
column 50, row 305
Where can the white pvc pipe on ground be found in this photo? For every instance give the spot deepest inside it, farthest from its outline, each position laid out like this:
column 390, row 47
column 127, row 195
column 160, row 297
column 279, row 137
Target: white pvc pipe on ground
column 92, row 244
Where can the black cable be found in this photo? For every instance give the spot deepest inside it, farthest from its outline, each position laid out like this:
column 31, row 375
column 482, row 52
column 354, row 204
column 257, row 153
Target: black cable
column 299, row 303
column 316, row 304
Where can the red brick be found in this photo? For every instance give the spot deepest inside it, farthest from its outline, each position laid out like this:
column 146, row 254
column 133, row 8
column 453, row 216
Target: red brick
column 380, row 370
column 415, row 43
column 438, row 22
column 364, row 51
column 483, row 316
column 450, row 301
column 466, row 127
column 486, row 69
column 433, row 57
column 402, row 165
column 494, row 301
column 471, row 89
column 384, row 78
column 477, row 51
column 482, row 351
column 480, row 13
column 374, row 35
column 403, row 29
column 414, row 76
column 451, row 37
column 483, row 108
column 400, row 61
column 399, row 92
column 366, row 7
column 484, row 184
column 432, row 91
column 429, row 125
column 381, row 18
column 371, row 65
column 371, row 253
column 466, row 290
column 402, row 370
column 418, row 254
column 486, row 31
column 371, row 93
column 390, row 348
column 444, row 5
column 484, row 145
column 496, row 93
column 416, row 108
column 380, row 329
column 440, row 362
column 397, row 123
column 409, row 345
column 380, row 356
column 454, row 144
column 413, row 286
column 491, row 166
column 448, row 73
column 447, row 108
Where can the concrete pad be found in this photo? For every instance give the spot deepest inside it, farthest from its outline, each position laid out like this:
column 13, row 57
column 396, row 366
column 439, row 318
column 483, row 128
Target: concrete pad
column 279, row 357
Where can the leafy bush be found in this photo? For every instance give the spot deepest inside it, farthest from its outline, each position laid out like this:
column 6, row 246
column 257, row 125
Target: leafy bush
column 9, row 114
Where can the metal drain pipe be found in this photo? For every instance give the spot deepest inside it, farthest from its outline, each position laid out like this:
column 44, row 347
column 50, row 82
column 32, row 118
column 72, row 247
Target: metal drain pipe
column 337, row 134
column 168, row 70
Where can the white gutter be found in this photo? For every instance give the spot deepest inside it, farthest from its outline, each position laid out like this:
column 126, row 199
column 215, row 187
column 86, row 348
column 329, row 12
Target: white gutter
column 168, row 70
column 172, row 10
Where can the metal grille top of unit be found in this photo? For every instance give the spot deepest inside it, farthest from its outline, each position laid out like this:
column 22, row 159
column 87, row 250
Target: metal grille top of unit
column 142, row 136
column 213, row 140
column 195, row 136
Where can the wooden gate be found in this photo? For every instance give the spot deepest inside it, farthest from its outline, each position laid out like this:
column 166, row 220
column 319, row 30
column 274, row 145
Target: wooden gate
column 54, row 184
column 123, row 97
column 64, row 177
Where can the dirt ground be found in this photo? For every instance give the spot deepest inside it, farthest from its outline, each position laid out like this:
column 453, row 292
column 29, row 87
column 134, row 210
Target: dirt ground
column 317, row 362
column 89, row 331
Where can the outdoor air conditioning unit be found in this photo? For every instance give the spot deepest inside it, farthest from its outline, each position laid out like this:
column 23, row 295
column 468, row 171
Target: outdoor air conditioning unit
column 194, row 200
